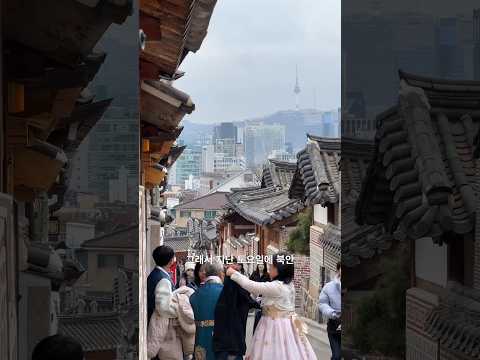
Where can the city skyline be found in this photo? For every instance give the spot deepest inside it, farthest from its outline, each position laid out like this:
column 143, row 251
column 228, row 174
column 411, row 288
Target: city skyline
column 220, row 81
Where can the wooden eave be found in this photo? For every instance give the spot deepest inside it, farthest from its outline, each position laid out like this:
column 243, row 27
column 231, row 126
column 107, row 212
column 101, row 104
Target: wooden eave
column 65, row 32
column 165, row 48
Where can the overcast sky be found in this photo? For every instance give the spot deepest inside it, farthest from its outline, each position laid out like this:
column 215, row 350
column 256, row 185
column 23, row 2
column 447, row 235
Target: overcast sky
column 246, row 65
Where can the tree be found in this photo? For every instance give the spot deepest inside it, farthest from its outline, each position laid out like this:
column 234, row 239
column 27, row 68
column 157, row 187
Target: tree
column 380, row 323
column 299, row 238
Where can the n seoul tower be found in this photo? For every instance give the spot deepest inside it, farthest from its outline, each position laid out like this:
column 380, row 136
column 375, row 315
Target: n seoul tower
column 296, row 90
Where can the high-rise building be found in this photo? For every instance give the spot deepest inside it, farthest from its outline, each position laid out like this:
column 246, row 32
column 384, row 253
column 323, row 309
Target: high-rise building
column 282, row 155
column 208, row 155
column 226, row 146
column 225, row 130
column 113, row 143
column 78, row 169
column 123, row 188
column 189, row 163
column 261, row 140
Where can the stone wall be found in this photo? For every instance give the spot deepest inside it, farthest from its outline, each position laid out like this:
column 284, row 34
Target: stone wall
column 302, row 275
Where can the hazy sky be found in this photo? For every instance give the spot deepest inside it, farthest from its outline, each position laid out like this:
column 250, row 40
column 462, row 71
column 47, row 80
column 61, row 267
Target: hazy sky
column 246, row 65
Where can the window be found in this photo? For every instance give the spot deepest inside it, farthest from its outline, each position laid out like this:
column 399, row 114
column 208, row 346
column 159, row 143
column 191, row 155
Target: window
column 331, row 214
column 108, row 261
column 185, row 213
column 210, row 214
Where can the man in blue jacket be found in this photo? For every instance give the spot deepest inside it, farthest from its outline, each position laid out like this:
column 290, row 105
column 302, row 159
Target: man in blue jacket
column 330, row 304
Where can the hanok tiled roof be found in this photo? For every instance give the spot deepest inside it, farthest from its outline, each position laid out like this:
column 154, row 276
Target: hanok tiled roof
column 177, row 243
column 263, row 206
column 213, row 201
column 317, row 176
column 95, row 332
column 455, row 323
column 420, row 182
column 359, row 242
column 269, row 202
column 277, row 173
column 126, row 238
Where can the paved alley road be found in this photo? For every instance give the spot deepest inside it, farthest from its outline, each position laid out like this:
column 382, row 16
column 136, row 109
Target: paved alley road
column 317, row 336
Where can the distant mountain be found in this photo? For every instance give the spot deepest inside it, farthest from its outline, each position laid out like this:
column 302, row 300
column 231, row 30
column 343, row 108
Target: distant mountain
column 297, row 123
column 192, row 130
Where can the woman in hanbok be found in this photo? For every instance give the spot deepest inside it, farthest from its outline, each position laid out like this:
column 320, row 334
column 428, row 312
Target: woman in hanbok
column 280, row 334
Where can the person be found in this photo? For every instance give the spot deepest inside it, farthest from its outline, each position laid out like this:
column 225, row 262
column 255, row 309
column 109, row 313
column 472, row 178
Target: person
column 242, row 269
column 260, row 273
column 330, row 304
column 280, row 335
column 187, row 278
column 263, row 277
column 231, row 315
column 175, row 273
column 203, row 302
column 171, row 330
column 164, row 258
column 58, row 347
column 199, row 276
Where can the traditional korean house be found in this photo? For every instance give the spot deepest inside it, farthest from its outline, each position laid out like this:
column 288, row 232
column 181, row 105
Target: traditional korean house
column 46, row 66
column 106, row 332
column 180, row 244
column 259, row 218
column 316, row 184
column 422, row 187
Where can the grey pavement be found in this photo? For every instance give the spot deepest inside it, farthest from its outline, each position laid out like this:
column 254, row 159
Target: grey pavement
column 317, row 335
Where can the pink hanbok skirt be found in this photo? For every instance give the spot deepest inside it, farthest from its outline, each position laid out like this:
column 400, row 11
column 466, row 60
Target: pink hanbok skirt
column 279, row 339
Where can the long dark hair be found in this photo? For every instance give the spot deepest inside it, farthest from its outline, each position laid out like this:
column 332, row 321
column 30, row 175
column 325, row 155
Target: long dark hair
column 285, row 271
column 265, row 270
column 196, row 272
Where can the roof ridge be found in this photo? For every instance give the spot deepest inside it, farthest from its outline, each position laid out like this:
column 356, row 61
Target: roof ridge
column 111, row 233
column 201, row 197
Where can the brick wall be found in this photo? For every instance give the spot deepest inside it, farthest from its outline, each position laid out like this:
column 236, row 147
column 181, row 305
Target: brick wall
column 302, row 274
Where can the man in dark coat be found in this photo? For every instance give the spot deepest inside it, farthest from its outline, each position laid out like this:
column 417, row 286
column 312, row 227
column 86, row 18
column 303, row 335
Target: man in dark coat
column 231, row 315
column 164, row 257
